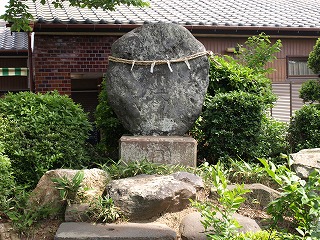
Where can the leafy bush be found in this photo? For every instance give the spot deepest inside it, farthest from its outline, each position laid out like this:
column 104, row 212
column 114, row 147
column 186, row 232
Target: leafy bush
column 273, row 139
column 234, row 121
column 231, row 125
column 260, row 235
column 6, row 179
column 314, row 58
column 227, row 75
column 225, row 226
column 22, row 215
column 304, row 128
column 109, row 126
column 247, row 173
column 310, row 91
column 49, row 131
column 299, row 200
column 104, row 210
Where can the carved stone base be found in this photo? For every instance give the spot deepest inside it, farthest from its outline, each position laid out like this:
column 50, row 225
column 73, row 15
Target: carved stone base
column 159, row 149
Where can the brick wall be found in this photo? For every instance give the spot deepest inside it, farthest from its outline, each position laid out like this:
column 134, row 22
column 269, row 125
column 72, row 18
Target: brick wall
column 55, row 57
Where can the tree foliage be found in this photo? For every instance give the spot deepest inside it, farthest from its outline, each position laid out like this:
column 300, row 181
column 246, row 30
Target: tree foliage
column 17, row 11
column 258, row 51
column 314, row 58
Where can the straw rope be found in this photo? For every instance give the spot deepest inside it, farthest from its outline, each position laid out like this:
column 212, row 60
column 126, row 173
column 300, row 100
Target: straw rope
column 152, row 63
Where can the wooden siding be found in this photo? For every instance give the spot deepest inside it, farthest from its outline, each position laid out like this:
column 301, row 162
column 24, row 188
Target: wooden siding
column 288, row 100
column 286, row 89
column 290, row 48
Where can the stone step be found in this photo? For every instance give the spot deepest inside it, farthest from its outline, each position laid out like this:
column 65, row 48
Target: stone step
column 123, row 231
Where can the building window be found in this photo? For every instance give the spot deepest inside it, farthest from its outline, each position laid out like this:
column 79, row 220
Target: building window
column 298, row 67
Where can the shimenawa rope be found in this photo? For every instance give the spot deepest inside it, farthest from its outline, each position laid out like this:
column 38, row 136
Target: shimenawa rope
column 152, row 63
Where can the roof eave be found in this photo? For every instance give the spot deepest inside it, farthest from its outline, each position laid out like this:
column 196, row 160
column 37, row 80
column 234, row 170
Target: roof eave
column 197, row 29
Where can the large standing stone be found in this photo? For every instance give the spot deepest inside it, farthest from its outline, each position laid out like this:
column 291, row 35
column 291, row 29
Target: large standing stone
column 162, row 102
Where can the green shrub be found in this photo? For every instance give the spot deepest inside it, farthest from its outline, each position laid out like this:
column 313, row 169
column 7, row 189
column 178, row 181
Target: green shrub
column 224, row 226
column 299, row 200
column 260, row 235
column 304, row 128
column 234, row 121
column 6, row 179
column 231, row 125
column 227, row 75
column 273, row 139
column 310, row 91
column 49, row 131
column 109, row 126
column 103, row 210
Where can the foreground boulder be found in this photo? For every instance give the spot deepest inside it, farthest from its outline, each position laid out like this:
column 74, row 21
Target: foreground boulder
column 145, row 196
column 305, row 161
column 45, row 193
column 159, row 99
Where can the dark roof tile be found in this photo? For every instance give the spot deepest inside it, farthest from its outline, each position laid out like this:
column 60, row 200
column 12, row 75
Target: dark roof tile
column 267, row 13
column 13, row 41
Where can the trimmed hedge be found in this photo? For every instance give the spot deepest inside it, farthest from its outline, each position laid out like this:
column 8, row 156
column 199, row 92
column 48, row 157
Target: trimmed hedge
column 46, row 131
column 232, row 125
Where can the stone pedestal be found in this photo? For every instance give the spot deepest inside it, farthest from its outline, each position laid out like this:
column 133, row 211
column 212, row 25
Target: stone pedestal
column 159, row 149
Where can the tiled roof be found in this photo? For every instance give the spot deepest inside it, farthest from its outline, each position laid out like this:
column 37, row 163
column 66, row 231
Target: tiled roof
column 12, row 41
column 247, row 13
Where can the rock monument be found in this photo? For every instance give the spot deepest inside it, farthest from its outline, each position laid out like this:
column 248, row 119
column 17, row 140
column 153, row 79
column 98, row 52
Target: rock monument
column 157, row 79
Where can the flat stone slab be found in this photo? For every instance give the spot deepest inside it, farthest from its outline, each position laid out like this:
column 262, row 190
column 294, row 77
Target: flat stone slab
column 133, row 231
column 159, row 149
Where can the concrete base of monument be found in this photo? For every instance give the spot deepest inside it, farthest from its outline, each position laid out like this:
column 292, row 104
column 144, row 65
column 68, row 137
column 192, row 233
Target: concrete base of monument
column 159, row 149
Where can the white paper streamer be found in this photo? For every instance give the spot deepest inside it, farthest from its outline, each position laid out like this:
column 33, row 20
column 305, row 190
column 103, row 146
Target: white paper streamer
column 152, row 66
column 132, row 65
column 188, row 64
column 169, row 66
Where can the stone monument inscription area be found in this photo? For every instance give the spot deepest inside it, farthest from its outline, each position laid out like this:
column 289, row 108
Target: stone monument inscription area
column 157, row 79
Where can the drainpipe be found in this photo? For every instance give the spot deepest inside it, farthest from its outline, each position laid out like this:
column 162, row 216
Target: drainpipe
column 30, row 63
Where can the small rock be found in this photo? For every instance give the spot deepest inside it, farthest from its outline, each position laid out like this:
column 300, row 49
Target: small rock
column 305, row 161
column 7, row 232
column 76, row 212
column 260, row 193
column 187, row 177
column 192, row 229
